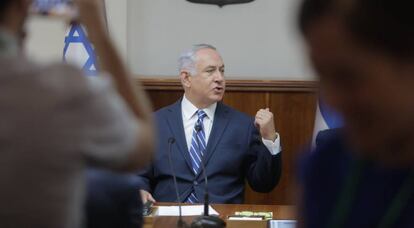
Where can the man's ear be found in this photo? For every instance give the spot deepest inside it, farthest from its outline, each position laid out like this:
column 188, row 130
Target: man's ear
column 185, row 77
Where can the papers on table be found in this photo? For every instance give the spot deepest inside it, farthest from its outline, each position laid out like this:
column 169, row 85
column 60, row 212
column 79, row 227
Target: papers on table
column 240, row 218
column 193, row 210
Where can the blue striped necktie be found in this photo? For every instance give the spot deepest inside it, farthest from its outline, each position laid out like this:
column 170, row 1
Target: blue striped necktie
column 198, row 146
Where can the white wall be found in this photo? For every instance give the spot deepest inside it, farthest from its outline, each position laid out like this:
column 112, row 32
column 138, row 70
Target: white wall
column 118, row 24
column 258, row 39
column 45, row 40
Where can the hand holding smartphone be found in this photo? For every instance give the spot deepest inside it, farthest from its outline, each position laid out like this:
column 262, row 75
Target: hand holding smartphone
column 55, row 8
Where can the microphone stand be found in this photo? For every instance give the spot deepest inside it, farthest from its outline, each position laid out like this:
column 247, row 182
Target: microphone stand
column 180, row 222
column 206, row 220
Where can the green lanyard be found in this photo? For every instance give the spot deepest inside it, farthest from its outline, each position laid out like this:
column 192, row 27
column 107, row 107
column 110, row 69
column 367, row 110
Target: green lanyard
column 8, row 45
column 347, row 196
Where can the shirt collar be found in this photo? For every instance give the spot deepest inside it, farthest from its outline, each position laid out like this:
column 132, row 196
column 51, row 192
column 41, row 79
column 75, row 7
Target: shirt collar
column 8, row 44
column 189, row 109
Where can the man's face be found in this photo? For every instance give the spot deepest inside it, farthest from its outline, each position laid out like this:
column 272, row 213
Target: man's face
column 207, row 86
column 373, row 91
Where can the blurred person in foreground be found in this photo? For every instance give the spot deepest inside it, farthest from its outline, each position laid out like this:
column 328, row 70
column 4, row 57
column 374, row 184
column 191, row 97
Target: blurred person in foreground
column 362, row 175
column 55, row 121
column 112, row 200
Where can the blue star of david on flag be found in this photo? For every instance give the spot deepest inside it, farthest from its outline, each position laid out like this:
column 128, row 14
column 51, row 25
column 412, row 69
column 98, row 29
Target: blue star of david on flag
column 79, row 51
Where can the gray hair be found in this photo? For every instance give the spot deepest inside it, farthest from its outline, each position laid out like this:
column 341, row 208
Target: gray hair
column 188, row 58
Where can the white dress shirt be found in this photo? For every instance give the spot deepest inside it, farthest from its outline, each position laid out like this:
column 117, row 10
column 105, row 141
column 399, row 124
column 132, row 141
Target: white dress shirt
column 190, row 118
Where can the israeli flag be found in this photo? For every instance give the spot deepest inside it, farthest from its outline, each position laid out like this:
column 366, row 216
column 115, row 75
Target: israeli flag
column 325, row 118
column 79, row 51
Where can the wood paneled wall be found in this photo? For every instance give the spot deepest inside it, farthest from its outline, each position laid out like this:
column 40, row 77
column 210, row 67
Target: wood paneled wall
column 292, row 102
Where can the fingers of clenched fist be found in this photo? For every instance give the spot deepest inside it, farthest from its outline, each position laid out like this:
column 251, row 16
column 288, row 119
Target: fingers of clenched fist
column 263, row 117
column 264, row 114
column 265, row 122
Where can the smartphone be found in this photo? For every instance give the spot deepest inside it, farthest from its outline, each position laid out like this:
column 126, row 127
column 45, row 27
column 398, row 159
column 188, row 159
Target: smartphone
column 59, row 8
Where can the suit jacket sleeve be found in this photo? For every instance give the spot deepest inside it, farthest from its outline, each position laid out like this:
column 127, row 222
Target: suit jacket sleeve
column 145, row 179
column 263, row 168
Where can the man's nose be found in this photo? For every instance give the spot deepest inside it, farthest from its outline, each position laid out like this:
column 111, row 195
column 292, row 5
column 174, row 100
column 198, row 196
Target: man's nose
column 219, row 76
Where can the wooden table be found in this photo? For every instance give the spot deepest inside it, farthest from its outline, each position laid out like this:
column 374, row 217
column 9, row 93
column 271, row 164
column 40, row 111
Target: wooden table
column 279, row 212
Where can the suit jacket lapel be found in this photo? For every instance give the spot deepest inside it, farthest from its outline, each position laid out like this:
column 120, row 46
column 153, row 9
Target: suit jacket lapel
column 175, row 123
column 221, row 120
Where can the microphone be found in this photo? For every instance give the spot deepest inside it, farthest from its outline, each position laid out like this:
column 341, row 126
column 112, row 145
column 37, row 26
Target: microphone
column 180, row 222
column 205, row 220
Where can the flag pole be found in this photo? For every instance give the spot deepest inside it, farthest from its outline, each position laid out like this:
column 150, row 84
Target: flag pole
column 105, row 16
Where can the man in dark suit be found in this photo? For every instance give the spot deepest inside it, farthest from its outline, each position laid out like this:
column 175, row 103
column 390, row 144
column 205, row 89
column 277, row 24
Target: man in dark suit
column 199, row 128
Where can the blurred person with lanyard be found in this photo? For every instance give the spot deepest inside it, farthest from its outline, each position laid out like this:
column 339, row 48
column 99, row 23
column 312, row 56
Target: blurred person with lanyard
column 361, row 175
column 55, row 122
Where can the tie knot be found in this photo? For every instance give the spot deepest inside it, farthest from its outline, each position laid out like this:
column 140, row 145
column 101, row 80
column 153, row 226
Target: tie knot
column 201, row 114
